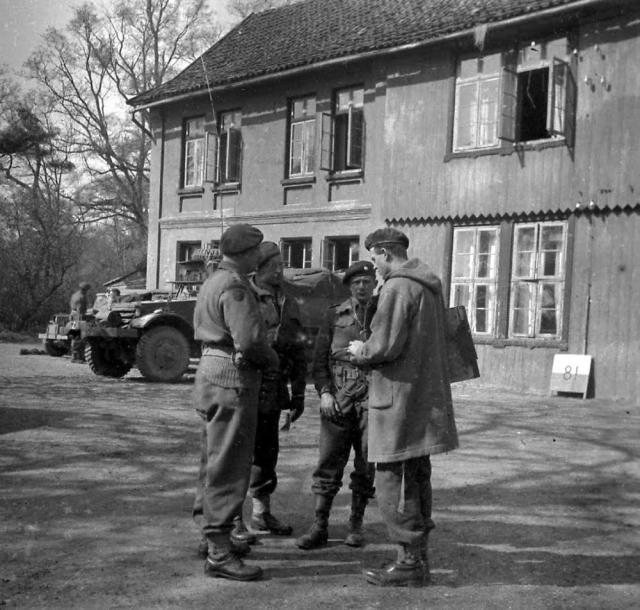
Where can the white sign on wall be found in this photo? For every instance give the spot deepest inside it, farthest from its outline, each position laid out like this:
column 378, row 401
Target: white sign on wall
column 570, row 373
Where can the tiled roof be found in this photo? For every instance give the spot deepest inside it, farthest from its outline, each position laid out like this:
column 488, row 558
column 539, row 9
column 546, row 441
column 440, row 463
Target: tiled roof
column 313, row 31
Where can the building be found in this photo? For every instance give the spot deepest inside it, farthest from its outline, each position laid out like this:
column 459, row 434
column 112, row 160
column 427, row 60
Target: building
column 501, row 135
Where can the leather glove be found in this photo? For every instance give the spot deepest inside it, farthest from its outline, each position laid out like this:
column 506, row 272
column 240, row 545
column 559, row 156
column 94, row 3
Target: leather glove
column 329, row 409
column 296, row 406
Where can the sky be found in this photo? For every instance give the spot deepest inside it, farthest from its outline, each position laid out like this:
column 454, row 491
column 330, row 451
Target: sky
column 22, row 22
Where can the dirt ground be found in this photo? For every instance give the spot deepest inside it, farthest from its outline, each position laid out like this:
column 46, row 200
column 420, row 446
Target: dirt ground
column 537, row 509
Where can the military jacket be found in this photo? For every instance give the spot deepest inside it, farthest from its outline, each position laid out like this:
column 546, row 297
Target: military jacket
column 227, row 316
column 283, row 325
column 332, row 366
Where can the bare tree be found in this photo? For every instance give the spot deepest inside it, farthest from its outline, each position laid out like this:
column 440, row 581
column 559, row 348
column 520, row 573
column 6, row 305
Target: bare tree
column 39, row 236
column 243, row 8
column 90, row 69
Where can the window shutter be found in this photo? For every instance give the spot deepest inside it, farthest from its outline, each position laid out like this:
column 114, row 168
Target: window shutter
column 508, row 100
column 562, row 101
column 211, row 156
column 355, row 143
column 326, row 154
column 222, row 164
column 235, row 155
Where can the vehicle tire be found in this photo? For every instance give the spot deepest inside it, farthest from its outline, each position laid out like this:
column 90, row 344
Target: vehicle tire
column 163, row 354
column 55, row 348
column 103, row 361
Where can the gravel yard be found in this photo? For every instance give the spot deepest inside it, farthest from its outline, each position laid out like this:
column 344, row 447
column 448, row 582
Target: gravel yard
column 538, row 508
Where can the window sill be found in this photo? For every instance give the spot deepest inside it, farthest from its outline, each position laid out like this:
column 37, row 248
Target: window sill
column 507, row 149
column 349, row 175
column 557, row 344
column 190, row 191
column 227, row 187
column 298, row 181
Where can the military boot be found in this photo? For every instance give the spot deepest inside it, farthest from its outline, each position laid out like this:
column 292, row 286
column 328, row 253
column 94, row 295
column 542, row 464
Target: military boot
column 318, row 534
column 263, row 522
column 223, row 562
column 355, row 537
column 239, row 547
column 406, row 571
column 240, row 534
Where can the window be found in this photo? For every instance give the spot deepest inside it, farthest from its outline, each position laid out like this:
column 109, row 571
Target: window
column 194, row 140
column 343, row 132
column 474, row 275
column 511, row 279
column 537, row 279
column 341, row 252
column 296, row 253
column 476, row 111
column 226, row 158
column 188, row 265
column 519, row 96
column 302, row 130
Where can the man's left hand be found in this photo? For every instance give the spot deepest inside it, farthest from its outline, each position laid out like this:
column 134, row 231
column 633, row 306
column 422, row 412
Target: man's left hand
column 297, row 407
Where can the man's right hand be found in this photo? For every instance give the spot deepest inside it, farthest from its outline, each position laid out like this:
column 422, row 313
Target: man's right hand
column 329, row 407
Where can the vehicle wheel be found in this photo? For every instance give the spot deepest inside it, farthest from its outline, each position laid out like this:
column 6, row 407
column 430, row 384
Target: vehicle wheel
column 55, row 348
column 103, row 361
column 162, row 354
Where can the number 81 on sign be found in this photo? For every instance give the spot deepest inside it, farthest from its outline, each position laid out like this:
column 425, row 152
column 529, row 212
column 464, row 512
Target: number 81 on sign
column 570, row 373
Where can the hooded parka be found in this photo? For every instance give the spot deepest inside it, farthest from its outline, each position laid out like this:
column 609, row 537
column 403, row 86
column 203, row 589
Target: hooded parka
column 410, row 408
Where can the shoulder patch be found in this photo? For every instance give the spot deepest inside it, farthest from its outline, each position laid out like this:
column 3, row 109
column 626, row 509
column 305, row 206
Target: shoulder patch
column 238, row 294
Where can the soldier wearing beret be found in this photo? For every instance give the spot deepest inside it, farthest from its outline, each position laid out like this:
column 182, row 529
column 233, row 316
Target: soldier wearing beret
column 235, row 352
column 282, row 319
column 410, row 409
column 343, row 389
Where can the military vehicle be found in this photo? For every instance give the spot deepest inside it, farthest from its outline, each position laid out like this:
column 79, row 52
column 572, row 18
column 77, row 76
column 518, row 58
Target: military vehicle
column 56, row 339
column 157, row 336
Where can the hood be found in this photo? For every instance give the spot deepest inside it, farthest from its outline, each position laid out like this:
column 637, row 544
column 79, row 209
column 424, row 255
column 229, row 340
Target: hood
column 416, row 270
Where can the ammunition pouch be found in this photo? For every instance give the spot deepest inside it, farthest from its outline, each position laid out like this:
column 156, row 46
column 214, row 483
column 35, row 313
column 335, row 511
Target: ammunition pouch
column 352, row 386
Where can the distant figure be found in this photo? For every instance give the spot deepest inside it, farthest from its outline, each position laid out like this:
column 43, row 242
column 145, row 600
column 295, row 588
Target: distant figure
column 410, row 409
column 113, row 297
column 79, row 303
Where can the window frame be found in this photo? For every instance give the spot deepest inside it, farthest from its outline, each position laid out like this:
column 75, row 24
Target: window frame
column 561, row 97
column 225, row 150
column 306, row 243
column 196, row 141
column 473, row 280
column 538, row 281
column 329, row 251
column 307, row 124
column 344, row 153
column 185, row 253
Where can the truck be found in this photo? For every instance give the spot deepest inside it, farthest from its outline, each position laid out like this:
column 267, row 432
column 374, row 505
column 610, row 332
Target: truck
column 157, row 335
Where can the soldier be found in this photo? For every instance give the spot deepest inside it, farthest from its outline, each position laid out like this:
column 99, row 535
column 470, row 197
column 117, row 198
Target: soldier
column 235, row 350
column 410, row 409
column 343, row 390
column 78, row 303
column 284, row 333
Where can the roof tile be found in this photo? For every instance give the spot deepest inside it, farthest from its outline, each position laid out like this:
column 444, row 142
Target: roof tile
column 313, row 31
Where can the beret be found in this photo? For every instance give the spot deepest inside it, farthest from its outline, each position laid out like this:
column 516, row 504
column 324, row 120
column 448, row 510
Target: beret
column 385, row 237
column 359, row 268
column 239, row 238
column 268, row 250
